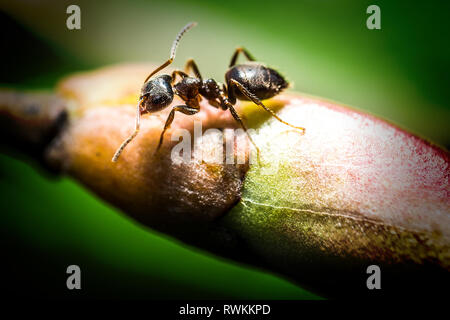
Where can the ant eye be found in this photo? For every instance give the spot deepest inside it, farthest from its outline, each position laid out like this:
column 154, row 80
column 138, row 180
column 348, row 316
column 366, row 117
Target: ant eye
column 161, row 99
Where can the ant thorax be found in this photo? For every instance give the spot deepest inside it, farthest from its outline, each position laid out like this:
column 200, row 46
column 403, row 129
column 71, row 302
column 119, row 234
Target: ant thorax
column 210, row 89
column 188, row 88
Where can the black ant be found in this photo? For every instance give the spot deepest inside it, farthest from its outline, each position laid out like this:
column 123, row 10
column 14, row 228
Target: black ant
column 251, row 81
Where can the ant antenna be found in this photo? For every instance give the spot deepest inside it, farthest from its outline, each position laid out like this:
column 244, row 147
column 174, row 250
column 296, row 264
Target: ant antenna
column 133, row 135
column 180, row 34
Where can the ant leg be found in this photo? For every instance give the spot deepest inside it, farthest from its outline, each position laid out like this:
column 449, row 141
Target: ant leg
column 236, row 53
column 224, row 89
column 256, row 100
column 182, row 74
column 229, row 106
column 173, row 49
column 133, row 135
column 215, row 104
column 190, row 64
column 181, row 108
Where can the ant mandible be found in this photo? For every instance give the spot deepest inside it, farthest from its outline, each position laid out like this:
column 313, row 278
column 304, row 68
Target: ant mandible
column 251, row 81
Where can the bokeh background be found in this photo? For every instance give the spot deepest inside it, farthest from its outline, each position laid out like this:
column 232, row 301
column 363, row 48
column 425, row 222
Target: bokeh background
column 401, row 73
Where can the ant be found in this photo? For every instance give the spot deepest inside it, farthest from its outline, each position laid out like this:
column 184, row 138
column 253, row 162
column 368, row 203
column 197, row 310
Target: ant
column 251, row 81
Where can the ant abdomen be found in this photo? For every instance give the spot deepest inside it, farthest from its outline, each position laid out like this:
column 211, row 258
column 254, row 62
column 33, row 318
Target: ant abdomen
column 157, row 93
column 262, row 81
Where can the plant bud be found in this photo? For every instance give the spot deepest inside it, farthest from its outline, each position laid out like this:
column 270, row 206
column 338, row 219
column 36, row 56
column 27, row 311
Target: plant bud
column 319, row 207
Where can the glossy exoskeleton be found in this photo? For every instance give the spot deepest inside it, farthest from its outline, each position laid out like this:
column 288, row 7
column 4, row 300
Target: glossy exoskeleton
column 250, row 81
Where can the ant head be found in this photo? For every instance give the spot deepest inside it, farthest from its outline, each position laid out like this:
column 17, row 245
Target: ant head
column 157, row 93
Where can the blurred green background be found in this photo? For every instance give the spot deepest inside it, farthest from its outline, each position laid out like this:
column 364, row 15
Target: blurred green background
column 401, row 73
